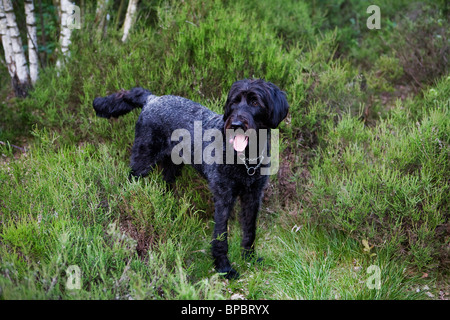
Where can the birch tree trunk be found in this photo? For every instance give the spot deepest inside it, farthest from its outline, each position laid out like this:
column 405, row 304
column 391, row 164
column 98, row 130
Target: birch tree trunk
column 64, row 37
column 100, row 10
column 33, row 58
column 102, row 17
column 43, row 54
column 6, row 43
column 129, row 18
column 21, row 69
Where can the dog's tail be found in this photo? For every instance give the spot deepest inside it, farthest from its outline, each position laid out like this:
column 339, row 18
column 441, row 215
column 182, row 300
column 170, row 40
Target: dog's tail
column 121, row 102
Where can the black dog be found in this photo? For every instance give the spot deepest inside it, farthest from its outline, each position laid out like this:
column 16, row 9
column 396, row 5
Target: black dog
column 251, row 104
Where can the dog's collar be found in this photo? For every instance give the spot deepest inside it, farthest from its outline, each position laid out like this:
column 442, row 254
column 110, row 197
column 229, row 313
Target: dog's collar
column 252, row 170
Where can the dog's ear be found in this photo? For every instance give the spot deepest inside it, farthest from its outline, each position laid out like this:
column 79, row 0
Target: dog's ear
column 234, row 90
column 279, row 107
column 227, row 109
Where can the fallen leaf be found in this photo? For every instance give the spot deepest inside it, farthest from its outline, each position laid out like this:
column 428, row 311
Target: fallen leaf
column 365, row 243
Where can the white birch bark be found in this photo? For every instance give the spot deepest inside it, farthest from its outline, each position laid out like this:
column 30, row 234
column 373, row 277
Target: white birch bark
column 6, row 43
column 33, row 58
column 19, row 56
column 100, row 10
column 102, row 17
column 129, row 18
column 64, row 36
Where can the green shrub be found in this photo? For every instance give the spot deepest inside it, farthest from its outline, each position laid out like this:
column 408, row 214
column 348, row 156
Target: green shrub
column 389, row 182
column 420, row 43
column 66, row 200
column 294, row 21
column 385, row 74
column 72, row 205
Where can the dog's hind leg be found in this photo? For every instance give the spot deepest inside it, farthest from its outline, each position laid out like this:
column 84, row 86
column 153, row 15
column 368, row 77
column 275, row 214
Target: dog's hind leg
column 148, row 149
column 142, row 161
column 170, row 170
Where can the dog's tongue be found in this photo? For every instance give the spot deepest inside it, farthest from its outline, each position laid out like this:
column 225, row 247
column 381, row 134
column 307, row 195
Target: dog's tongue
column 240, row 142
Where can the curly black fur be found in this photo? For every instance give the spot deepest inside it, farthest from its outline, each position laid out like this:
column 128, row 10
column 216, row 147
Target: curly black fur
column 251, row 104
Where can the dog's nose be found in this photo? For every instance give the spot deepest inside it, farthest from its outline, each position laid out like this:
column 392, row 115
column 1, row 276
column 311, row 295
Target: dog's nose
column 236, row 124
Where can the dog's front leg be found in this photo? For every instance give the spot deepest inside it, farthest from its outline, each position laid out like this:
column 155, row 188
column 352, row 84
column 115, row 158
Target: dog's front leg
column 220, row 242
column 250, row 204
column 248, row 223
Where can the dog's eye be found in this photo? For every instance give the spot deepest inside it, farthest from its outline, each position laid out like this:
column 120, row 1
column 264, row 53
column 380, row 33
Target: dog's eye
column 255, row 103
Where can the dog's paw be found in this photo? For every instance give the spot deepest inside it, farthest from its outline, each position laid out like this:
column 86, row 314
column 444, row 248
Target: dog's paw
column 259, row 260
column 229, row 274
column 250, row 256
column 254, row 261
column 132, row 177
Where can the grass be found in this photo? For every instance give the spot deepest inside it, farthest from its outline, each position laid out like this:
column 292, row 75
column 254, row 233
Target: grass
column 74, row 206
column 363, row 178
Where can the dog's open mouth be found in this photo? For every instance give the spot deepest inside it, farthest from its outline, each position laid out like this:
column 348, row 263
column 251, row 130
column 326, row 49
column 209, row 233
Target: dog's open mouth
column 239, row 142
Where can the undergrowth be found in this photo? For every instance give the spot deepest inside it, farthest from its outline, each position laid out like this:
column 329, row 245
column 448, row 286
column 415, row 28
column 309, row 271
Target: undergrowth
column 364, row 161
